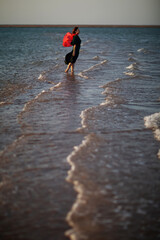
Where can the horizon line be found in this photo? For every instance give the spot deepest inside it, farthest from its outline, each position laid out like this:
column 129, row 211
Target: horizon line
column 79, row 25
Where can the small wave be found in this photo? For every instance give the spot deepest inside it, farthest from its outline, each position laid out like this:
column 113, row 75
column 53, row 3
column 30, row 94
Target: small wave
column 85, row 43
column 96, row 58
column 132, row 66
column 108, row 102
column 96, row 65
column 131, row 59
column 79, row 179
column 107, row 84
column 71, row 157
column 129, row 73
column 84, row 117
column 140, row 50
column 41, row 77
column 11, row 146
column 4, row 103
column 106, row 91
column 81, row 74
column 56, row 86
column 27, row 105
column 143, row 50
column 153, row 122
column 88, row 115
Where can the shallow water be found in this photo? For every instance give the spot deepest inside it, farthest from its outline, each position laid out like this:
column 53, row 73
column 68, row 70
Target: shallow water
column 76, row 151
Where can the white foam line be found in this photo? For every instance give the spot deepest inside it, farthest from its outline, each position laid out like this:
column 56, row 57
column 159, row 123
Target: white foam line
column 56, row 86
column 78, row 186
column 12, row 145
column 83, row 76
column 153, row 122
column 82, row 116
column 40, row 94
column 130, row 66
column 141, row 50
column 108, row 83
column 40, row 77
column 94, row 66
column 129, row 73
column 107, row 102
column 96, row 58
column 91, row 68
column 5, row 103
column 32, row 100
column 2, row 103
column 72, row 155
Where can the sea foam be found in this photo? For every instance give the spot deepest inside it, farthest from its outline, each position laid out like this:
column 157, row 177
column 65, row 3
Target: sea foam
column 81, row 74
column 153, row 122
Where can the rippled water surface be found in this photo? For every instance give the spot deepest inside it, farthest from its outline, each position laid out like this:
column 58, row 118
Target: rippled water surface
column 80, row 154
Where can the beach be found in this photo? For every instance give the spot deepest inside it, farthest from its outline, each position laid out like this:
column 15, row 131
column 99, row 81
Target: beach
column 80, row 153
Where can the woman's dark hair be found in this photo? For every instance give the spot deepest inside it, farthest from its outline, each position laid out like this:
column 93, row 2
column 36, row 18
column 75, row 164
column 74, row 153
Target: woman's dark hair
column 74, row 30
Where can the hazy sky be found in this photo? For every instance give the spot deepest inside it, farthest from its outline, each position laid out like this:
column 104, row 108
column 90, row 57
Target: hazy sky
column 141, row 12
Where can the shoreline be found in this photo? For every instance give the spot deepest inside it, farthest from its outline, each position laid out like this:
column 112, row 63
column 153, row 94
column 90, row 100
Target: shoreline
column 69, row 25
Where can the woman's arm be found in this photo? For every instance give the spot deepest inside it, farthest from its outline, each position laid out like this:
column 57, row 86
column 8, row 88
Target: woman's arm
column 74, row 50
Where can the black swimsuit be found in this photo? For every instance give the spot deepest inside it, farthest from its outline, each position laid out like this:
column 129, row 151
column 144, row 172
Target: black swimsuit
column 69, row 58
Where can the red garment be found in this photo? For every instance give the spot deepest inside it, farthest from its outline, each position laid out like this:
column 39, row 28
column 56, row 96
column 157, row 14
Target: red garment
column 68, row 39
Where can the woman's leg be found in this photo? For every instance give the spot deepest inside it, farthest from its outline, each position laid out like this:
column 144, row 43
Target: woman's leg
column 72, row 68
column 68, row 67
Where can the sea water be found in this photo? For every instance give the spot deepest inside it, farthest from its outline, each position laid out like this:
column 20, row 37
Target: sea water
column 80, row 154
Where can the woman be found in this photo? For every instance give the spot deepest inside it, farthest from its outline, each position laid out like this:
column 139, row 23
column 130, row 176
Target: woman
column 71, row 57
